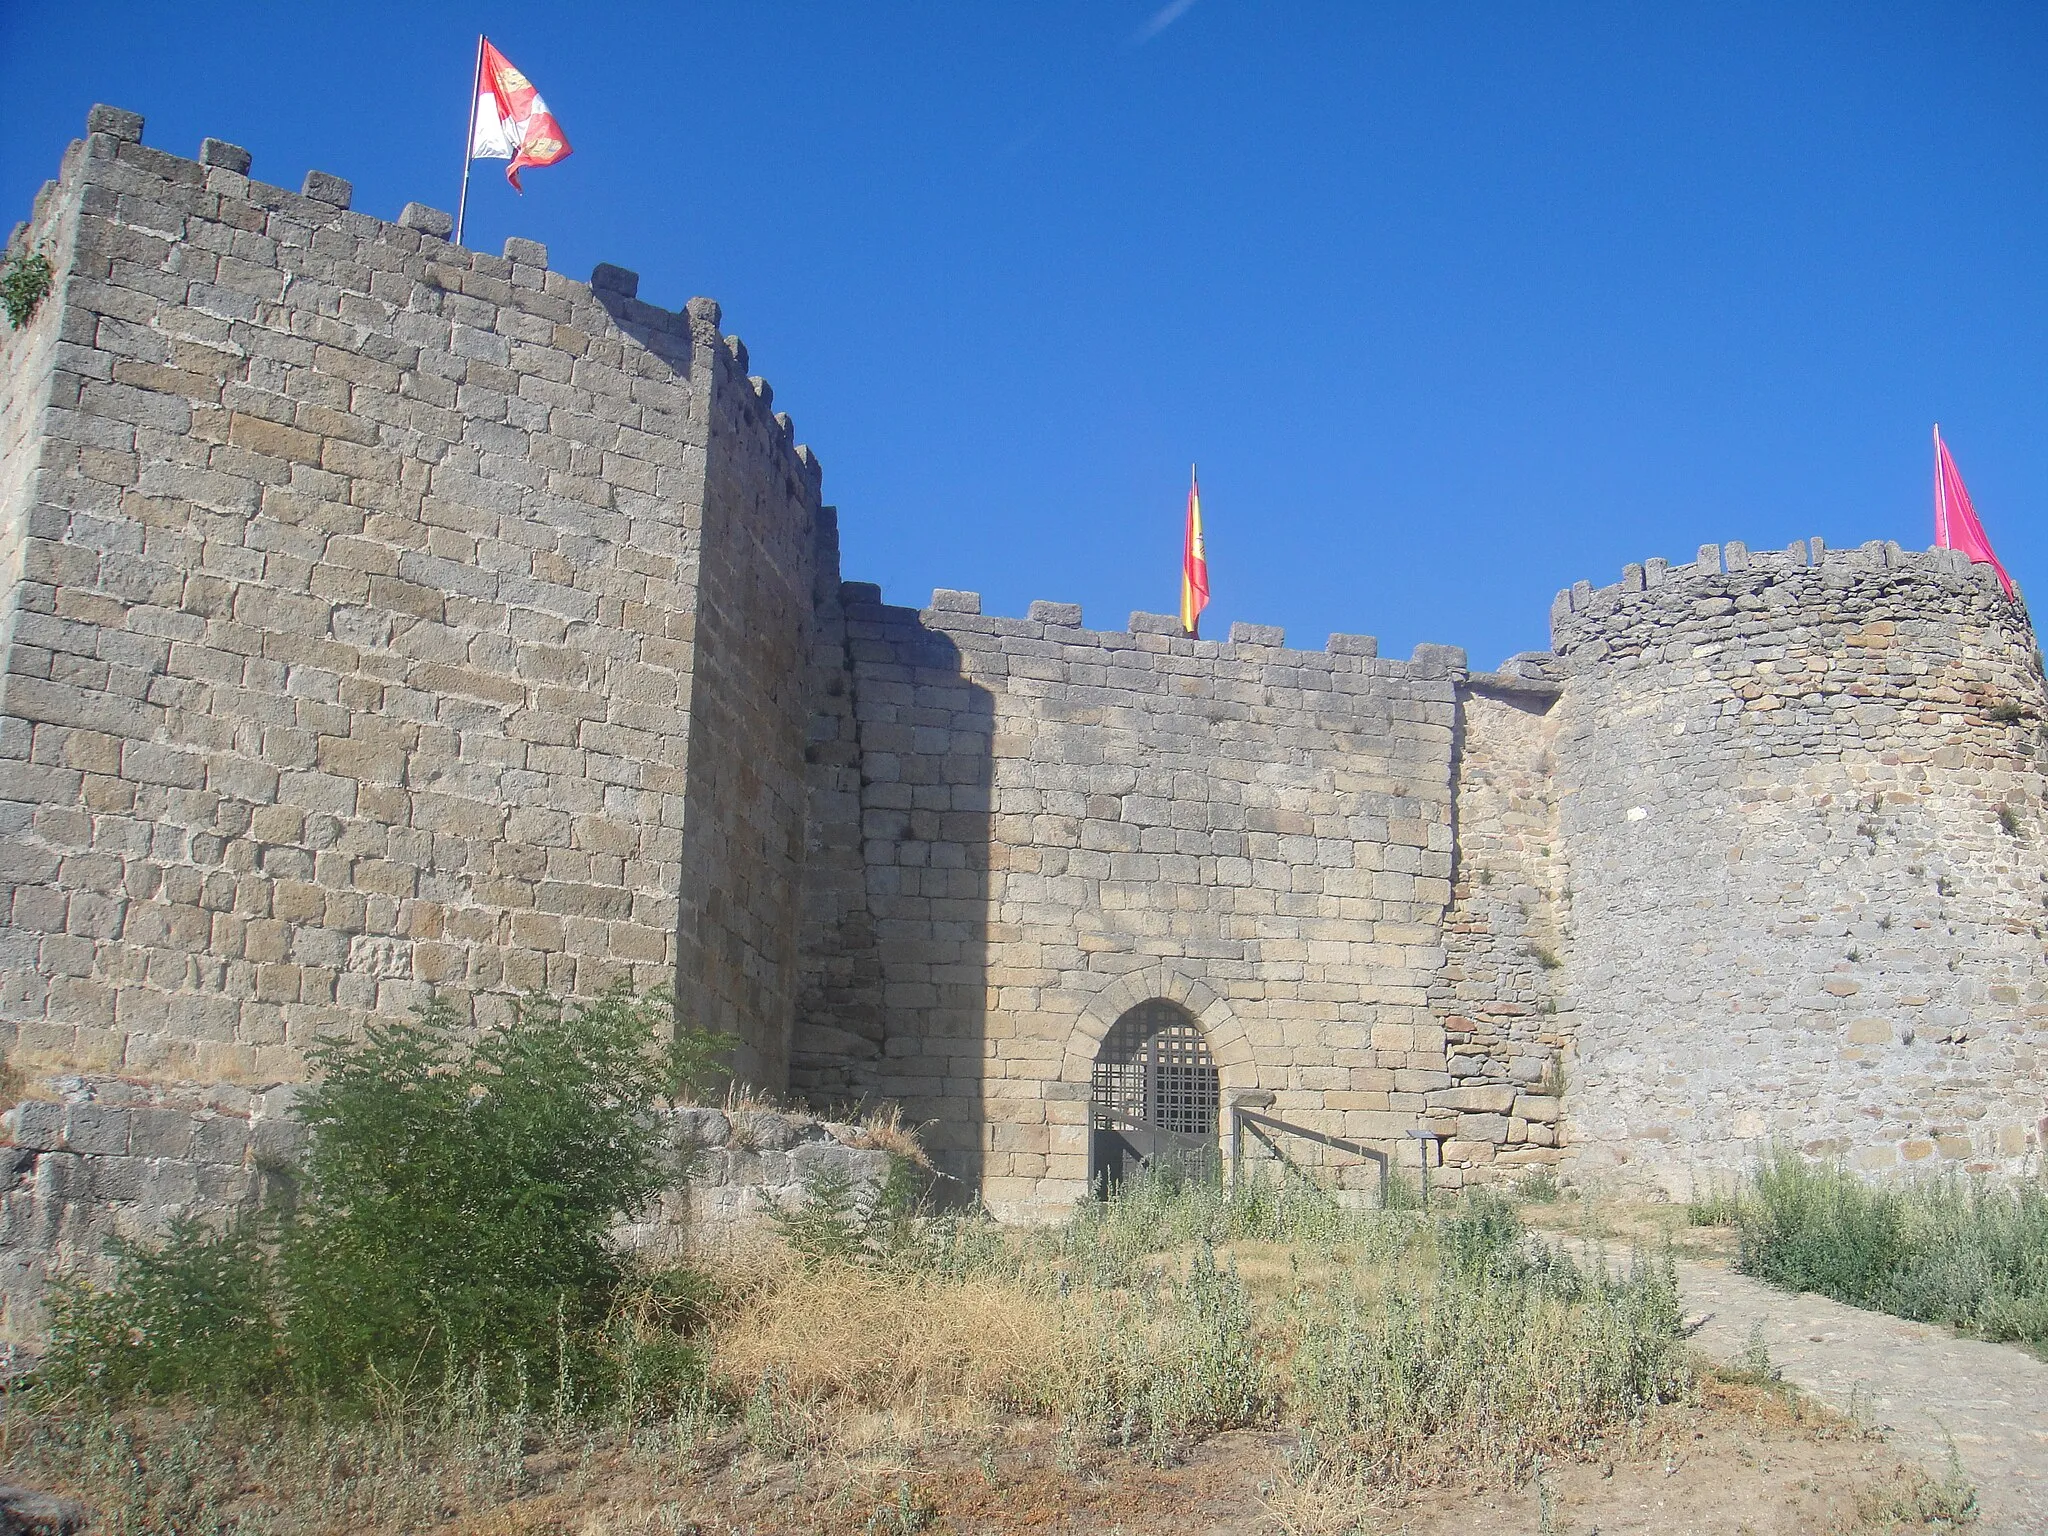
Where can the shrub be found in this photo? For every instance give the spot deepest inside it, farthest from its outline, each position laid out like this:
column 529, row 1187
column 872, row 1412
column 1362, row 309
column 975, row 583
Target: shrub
column 24, row 284
column 196, row 1314
column 455, row 1226
column 460, row 1201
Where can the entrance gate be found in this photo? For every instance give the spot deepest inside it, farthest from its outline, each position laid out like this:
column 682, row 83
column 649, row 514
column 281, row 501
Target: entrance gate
column 1153, row 1096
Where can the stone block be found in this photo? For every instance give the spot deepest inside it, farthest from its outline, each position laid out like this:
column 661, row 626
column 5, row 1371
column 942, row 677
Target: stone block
column 323, row 188
column 1490, row 1099
column 1353, row 645
column 620, row 282
column 1060, row 615
column 433, row 222
column 699, row 1126
column 224, row 156
column 97, row 1129
column 946, row 600
column 38, row 1125
column 1540, row 1108
column 115, row 123
column 1437, row 660
column 1257, row 634
column 1156, row 624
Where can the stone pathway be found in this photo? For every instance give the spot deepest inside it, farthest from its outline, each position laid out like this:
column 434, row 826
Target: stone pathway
column 1911, row 1380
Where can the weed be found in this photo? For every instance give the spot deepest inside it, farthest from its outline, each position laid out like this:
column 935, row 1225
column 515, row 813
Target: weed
column 2006, row 714
column 1539, row 1186
column 1942, row 1251
column 1543, row 956
column 24, row 283
column 1718, row 1208
column 2008, row 821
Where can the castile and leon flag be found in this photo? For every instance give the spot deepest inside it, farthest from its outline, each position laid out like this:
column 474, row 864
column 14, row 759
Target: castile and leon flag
column 512, row 122
column 1955, row 519
column 1194, row 563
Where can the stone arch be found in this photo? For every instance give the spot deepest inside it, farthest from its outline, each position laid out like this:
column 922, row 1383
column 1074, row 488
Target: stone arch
column 1228, row 1042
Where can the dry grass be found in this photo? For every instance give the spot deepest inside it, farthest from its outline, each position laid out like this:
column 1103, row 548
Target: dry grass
column 881, row 1129
column 886, row 1339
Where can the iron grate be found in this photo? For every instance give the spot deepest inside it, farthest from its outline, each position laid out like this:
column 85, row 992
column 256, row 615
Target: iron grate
column 1155, row 1069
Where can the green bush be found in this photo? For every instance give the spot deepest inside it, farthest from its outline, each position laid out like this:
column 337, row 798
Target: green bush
column 24, row 284
column 454, row 1225
column 195, row 1314
column 1943, row 1250
column 459, row 1200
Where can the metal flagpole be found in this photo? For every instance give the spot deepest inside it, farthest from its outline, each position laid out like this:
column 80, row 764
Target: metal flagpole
column 476, row 81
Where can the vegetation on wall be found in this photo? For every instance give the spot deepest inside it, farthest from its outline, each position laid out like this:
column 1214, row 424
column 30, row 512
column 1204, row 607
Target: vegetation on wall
column 24, row 283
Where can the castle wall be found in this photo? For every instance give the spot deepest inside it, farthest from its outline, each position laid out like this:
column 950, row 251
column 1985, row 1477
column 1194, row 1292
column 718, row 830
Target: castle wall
column 372, row 588
column 1800, row 795
column 1496, row 992
column 1059, row 823
column 754, row 619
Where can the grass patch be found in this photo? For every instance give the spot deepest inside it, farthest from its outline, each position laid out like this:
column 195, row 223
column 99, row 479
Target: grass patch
column 1393, row 1349
column 1942, row 1250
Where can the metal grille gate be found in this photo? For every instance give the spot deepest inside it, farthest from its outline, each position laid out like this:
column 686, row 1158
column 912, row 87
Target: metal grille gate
column 1152, row 1099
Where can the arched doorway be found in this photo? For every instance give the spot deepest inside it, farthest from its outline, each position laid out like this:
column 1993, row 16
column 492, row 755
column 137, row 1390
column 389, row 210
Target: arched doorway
column 1153, row 1096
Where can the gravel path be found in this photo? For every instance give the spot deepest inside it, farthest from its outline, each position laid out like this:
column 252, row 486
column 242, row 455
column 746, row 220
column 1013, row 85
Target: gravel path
column 1911, row 1380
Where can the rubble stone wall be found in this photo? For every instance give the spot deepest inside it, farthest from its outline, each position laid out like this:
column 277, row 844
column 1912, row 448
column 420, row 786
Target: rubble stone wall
column 1800, row 797
column 113, row 1161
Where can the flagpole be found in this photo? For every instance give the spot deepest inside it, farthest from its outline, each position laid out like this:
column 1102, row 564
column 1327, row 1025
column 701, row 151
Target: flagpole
column 1940, row 495
column 476, row 80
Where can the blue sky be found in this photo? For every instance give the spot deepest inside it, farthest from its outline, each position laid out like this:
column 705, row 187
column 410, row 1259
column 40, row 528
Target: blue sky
column 1455, row 303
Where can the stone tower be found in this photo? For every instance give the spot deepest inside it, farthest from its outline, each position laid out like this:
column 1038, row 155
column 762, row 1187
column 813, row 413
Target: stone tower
column 1800, row 793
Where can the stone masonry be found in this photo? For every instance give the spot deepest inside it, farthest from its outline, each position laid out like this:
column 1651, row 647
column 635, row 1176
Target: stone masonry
column 1801, row 796
column 382, row 616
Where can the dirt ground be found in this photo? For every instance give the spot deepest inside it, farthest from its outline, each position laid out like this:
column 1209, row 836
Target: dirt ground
column 1746, row 1461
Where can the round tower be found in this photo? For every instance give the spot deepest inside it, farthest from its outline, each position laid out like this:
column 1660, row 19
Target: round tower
column 1802, row 802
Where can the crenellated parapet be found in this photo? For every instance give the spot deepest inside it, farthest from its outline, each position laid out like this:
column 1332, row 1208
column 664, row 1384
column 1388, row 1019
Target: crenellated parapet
column 1800, row 796
column 1589, row 623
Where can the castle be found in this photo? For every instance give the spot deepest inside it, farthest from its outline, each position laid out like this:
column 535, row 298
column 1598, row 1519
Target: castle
column 384, row 616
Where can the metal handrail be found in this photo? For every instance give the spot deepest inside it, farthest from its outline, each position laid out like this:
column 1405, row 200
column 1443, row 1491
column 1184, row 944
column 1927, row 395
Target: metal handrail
column 1242, row 1119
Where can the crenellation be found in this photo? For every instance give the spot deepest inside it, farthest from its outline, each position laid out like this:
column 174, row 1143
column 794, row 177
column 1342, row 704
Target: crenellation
column 221, row 155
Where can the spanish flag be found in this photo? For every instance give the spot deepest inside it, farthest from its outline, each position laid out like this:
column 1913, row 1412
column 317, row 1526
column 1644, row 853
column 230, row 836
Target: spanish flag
column 1194, row 564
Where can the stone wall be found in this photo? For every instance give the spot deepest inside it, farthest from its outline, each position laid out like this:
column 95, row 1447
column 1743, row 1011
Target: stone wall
column 1496, row 993
column 1059, row 823
column 370, row 589
column 1800, row 794
column 743, row 839
column 112, row 1160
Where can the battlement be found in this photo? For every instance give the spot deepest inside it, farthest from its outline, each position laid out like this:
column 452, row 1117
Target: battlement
column 1160, row 634
column 159, row 192
column 1582, row 608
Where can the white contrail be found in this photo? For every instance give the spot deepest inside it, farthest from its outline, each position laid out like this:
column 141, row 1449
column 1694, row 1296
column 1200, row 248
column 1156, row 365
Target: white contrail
column 1162, row 18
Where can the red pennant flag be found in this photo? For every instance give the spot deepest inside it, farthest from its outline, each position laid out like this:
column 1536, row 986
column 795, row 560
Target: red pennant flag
column 512, row 122
column 1955, row 520
column 1194, row 563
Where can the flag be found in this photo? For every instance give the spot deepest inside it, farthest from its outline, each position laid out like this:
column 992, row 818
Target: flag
column 1955, row 520
column 512, row 122
column 1194, row 564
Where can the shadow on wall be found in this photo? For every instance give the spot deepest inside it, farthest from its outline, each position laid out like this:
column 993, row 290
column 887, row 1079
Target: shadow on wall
column 896, row 1001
